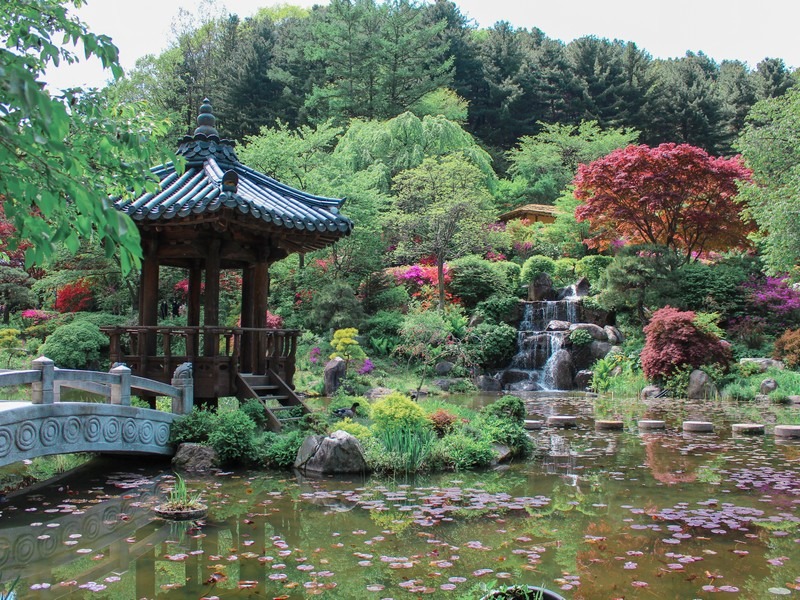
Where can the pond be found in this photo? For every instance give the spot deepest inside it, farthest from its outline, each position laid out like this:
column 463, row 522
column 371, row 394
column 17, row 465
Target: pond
column 594, row 515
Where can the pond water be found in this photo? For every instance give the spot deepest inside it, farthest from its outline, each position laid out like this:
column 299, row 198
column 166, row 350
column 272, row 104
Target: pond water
column 595, row 515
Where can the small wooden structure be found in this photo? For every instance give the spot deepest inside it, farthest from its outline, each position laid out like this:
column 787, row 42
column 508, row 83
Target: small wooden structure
column 535, row 213
column 219, row 214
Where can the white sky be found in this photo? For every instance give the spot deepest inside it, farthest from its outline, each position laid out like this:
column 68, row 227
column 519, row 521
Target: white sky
column 723, row 29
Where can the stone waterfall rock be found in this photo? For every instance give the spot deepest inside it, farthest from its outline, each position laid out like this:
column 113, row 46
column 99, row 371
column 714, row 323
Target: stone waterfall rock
column 338, row 452
column 583, row 380
column 562, row 370
column 597, row 332
column 541, row 288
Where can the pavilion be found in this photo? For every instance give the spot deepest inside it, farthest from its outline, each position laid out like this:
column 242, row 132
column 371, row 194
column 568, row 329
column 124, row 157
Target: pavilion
column 218, row 214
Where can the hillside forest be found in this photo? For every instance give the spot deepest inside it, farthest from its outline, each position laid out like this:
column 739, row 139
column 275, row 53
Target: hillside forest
column 674, row 183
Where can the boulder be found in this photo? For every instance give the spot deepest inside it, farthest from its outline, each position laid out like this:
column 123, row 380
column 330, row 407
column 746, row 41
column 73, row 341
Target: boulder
column 700, row 386
column 444, row 383
column 338, row 452
column 541, row 288
column 597, row 332
column 485, row 383
column 613, row 334
column 582, row 287
column 763, row 363
column 599, row 349
column 583, row 379
column 649, row 391
column 503, row 452
column 333, row 374
column 556, row 325
column 443, row 367
column 377, row 393
column 562, row 370
column 768, row 385
column 195, row 458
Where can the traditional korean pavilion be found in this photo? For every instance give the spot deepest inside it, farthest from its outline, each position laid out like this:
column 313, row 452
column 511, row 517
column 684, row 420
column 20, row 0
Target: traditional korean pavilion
column 220, row 214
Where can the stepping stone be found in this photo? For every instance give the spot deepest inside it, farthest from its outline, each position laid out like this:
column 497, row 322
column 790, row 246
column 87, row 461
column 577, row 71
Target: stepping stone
column 698, row 426
column 562, row 421
column 606, row 425
column 787, row 431
column 747, row 428
column 649, row 424
column 531, row 425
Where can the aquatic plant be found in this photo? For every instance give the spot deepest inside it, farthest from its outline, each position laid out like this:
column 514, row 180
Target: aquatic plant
column 179, row 498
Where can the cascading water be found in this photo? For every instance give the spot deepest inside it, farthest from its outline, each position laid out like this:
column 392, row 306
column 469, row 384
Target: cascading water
column 537, row 345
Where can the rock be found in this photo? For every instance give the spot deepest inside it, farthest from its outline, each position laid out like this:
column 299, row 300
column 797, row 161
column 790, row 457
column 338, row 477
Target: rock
column 556, row 325
column 700, row 386
column 598, row 333
column 582, row 287
column 541, row 288
column 599, row 349
column 768, row 385
column 377, row 393
column 583, row 379
column 562, row 370
column 195, row 458
column 794, row 399
column 698, row 426
column 444, row 383
column 613, row 334
column 650, row 391
column 763, row 363
column 333, row 374
column 338, row 452
column 504, row 453
column 443, row 367
column 484, row 383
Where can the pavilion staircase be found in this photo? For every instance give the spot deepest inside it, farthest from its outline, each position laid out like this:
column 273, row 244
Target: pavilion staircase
column 281, row 405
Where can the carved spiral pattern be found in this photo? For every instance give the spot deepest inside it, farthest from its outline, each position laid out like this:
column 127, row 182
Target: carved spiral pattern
column 47, row 547
column 91, row 528
column 129, row 432
column 5, row 551
column 146, row 433
column 27, row 435
column 112, row 430
column 93, row 429
column 6, row 441
column 162, row 433
column 24, row 549
column 71, row 430
column 50, row 431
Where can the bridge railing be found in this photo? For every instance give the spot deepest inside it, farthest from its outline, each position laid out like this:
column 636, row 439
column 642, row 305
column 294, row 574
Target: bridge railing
column 46, row 381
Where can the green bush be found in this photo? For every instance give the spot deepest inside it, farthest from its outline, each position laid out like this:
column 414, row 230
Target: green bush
column 277, row 451
column 499, row 308
column 474, row 279
column 335, row 306
column 510, row 271
column 383, row 331
column 195, row 427
column 254, row 409
column 409, row 447
column 508, row 407
column 491, row 345
column 357, row 430
column 398, row 411
column 78, row 345
column 459, row 452
column 738, row 392
column 535, row 266
column 232, row 437
column 592, row 268
column 500, row 430
column 564, row 273
column 580, row 337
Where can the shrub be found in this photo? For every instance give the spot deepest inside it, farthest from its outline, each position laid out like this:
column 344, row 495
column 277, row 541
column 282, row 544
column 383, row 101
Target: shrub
column 459, row 451
column 383, row 329
column 787, row 348
column 277, row 451
column 78, row 345
column 254, row 409
column 442, row 421
column 738, row 392
column 535, row 266
column 673, row 340
column 503, row 430
column 362, row 432
column 492, row 345
column 564, row 273
column 593, row 267
column 9, row 338
column 74, row 297
column 232, row 436
column 510, row 271
column 498, row 308
column 580, row 337
column 473, row 279
column 346, row 346
column 195, row 427
column 397, row 411
column 508, row 407
column 335, row 306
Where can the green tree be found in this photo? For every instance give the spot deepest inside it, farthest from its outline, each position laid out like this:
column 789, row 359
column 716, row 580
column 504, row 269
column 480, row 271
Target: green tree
column 770, row 144
column 64, row 153
column 443, row 210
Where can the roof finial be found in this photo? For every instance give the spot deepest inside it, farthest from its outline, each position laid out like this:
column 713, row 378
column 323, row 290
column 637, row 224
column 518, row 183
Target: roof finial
column 206, row 120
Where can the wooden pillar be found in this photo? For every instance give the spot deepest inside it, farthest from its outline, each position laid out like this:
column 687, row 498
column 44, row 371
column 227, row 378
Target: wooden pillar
column 211, row 304
column 148, row 297
column 248, row 289
column 195, row 285
column 260, row 297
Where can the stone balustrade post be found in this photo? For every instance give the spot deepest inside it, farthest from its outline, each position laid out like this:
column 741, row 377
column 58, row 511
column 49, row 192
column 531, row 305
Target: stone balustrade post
column 42, row 390
column 121, row 391
column 182, row 379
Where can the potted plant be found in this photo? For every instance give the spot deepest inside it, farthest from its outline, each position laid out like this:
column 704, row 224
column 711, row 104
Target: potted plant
column 180, row 504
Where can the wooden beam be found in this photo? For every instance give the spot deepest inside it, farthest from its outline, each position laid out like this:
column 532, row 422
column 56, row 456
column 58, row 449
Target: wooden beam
column 211, row 304
column 148, row 292
column 195, row 283
column 247, row 317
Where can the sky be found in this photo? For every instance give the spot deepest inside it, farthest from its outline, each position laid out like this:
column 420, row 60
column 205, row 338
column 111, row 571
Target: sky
column 723, row 29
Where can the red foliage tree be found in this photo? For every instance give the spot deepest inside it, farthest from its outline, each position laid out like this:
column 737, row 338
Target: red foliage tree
column 74, row 297
column 673, row 195
column 673, row 340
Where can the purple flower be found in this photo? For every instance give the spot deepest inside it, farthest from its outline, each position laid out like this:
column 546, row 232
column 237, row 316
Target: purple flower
column 313, row 356
column 367, row 367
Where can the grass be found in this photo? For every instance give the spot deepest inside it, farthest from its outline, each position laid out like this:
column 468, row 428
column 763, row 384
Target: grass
column 407, row 448
column 179, row 497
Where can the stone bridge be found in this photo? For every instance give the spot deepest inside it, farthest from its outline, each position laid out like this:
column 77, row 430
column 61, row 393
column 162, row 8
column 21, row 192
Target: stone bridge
column 45, row 425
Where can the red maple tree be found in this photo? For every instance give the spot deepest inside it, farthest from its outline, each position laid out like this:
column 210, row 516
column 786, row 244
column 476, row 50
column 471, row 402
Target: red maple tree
column 674, row 195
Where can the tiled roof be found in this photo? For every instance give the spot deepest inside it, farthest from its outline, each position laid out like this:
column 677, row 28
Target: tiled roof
column 200, row 190
column 530, row 209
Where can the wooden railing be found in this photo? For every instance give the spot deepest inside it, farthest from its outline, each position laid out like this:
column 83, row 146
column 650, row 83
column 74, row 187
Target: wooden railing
column 217, row 353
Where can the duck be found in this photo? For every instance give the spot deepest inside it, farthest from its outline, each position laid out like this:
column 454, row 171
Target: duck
column 344, row 413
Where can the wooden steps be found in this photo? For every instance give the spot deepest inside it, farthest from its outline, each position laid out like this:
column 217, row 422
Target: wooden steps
column 281, row 405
